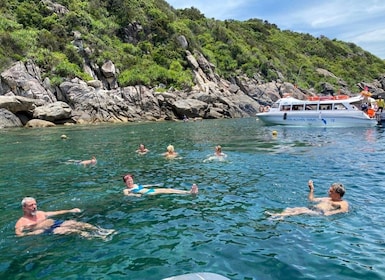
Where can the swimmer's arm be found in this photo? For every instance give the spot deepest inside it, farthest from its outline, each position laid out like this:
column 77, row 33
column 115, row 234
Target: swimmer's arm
column 311, row 192
column 61, row 212
column 19, row 230
column 128, row 193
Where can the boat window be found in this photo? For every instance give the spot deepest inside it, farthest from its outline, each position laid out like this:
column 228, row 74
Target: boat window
column 275, row 105
column 297, row 107
column 325, row 106
column 339, row 106
column 285, row 108
column 311, row 107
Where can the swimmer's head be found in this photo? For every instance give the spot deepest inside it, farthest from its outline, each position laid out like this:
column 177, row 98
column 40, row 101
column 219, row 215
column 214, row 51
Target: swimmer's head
column 170, row 148
column 127, row 176
column 26, row 200
column 275, row 133
column 29, row 205
column 218, row 148
column 338, row 188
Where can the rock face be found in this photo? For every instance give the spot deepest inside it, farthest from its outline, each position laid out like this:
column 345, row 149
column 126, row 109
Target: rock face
column 39, row 123
column 26, row 99
column 8, row 119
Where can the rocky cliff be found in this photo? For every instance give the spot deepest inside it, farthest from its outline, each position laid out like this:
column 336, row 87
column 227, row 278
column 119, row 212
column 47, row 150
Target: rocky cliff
column 28, row 100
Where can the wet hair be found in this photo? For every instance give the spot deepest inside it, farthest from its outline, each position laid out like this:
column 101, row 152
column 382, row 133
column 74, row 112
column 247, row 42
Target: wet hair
column 26, row 199
column 170, row 148
column 339, row 188
column 218, row 148
column 125, row 177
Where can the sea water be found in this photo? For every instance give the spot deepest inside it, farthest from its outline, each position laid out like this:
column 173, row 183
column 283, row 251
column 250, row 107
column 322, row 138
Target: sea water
column 224, row 229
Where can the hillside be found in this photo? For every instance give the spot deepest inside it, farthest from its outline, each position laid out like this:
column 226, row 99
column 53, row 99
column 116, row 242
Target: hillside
column 147, row 40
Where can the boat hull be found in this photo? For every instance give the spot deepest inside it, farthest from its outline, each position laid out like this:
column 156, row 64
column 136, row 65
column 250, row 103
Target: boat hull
column 317, row 119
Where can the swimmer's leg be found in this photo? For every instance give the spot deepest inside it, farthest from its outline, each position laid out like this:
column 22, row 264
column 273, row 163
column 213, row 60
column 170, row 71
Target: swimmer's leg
column 193, row 190
column 293, row 212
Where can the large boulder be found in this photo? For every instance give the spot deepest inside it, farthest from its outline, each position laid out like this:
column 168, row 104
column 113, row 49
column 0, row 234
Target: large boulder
column 8, row 119
column 53, row 111
column 39, row 123
column 19, row 104
column 190, row 107
column 24, row 80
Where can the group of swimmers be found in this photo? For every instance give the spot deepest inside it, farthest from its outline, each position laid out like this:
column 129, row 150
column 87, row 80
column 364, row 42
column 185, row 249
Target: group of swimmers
column 171, row 153
column 35, row 222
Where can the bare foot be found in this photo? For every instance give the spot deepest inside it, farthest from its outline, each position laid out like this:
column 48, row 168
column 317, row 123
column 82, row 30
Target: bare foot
column 194, row 189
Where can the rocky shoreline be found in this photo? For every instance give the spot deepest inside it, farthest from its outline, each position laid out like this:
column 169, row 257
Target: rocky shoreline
column 28, row 100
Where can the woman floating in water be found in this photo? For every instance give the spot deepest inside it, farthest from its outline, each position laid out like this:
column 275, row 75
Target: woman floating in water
column 133, row 189
column 170, row 154
column 218, row 155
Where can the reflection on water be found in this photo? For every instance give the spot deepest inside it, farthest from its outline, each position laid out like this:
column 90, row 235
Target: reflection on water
column 224, row 229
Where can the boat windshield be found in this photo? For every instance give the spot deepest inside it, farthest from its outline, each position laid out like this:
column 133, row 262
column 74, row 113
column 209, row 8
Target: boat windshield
column 275, row 105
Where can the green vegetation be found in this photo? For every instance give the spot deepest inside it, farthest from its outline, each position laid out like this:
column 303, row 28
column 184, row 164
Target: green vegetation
column 151, row 55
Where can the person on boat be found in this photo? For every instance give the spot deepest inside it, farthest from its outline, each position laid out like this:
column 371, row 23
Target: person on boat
column 327, row 206
column 364, row 107
column 87, row 162
column 133, row 189
column 142, row 150
column 371, row 112
column 34, row 222
column 170, row 153
column 380, row 104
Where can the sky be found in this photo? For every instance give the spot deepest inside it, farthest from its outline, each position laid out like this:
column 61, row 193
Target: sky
column 361, row 22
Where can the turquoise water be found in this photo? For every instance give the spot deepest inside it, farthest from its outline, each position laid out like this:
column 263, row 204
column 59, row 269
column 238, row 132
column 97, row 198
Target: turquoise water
column 224, row 229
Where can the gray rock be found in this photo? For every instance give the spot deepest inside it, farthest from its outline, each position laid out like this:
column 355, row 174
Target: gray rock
column 8, row 119
column 39, row 123
column 53, row 112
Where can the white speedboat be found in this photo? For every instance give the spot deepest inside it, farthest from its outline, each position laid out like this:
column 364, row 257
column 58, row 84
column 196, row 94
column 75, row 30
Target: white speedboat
column 324, row 111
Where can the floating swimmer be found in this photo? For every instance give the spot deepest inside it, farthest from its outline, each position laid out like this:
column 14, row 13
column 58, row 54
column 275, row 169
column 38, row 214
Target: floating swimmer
column 133, row 189
column 170, row 154
column 86, row 162
column 142, row 150
column 218, row 155
column 327, row 206
column 34, row 222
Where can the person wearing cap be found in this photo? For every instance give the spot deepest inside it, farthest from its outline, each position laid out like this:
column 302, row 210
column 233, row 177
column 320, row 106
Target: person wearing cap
column 133, row 189
column 333, row 204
